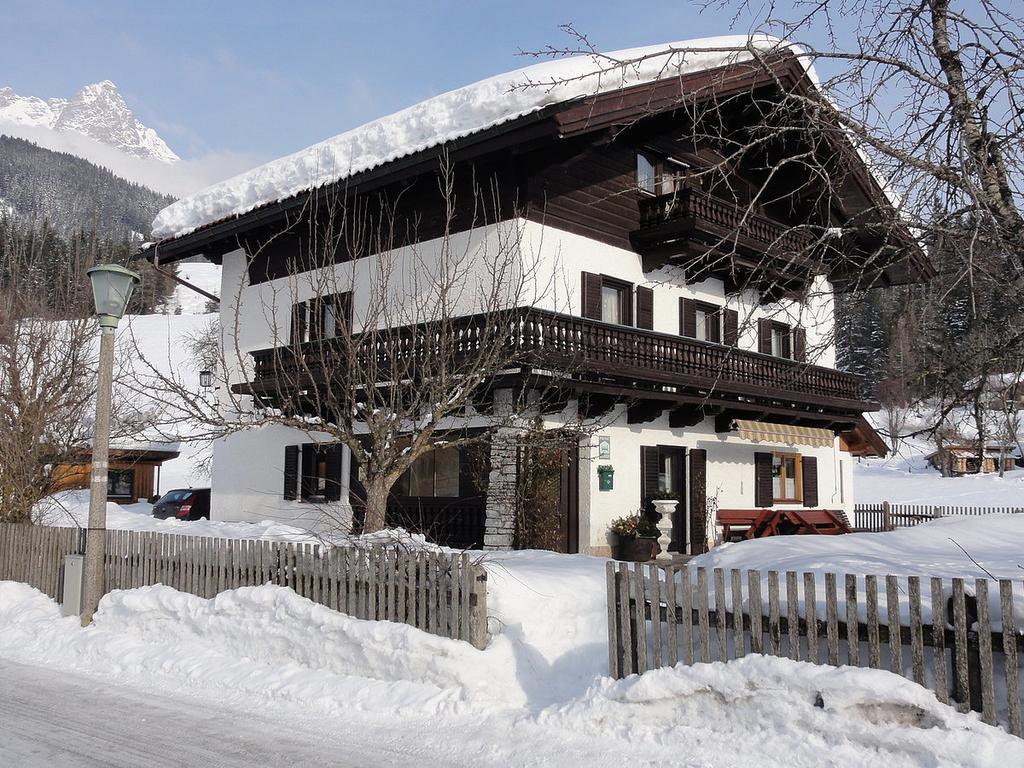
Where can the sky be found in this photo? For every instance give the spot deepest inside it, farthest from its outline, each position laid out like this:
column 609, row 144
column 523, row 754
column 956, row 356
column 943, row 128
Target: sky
column 243, row 82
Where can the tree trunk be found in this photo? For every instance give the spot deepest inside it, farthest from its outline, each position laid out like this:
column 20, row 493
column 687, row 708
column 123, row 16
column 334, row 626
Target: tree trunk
column 377, row 491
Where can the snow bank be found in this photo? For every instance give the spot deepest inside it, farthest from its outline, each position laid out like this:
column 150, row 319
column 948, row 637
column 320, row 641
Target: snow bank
column 447, row 117
column 264, row 647
column 845, row 713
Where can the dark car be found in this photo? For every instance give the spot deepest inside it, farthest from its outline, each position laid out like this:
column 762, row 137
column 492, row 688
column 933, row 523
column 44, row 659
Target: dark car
column 183, row 504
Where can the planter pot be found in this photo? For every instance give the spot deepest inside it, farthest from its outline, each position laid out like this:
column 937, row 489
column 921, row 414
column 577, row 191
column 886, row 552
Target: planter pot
column 638, row 550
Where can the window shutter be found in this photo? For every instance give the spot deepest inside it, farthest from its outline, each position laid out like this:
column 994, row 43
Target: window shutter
column 298, row 330
column 688, row 318
column 730, row 327
column 787, row 344
column 810, row 480
column 644, row 308
column 764, row 496
column 764, row 336
column 308, row 484
column 291, row 471
column 333, row 488
column 591, row 296
column 800, row 345
column 649, row 472
column 698, row 499
column 627, row 304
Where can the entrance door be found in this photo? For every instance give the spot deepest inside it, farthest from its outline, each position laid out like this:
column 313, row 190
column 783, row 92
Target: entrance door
column 664, row 475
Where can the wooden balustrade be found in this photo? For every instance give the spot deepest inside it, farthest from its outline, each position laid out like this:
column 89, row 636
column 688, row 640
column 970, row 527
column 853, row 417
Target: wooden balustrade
column 700, row 208
column 575, row 345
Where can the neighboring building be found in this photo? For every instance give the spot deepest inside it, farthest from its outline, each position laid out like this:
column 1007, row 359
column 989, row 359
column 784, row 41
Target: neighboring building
column 957, row 460
column 134, row 473
column 711, row 366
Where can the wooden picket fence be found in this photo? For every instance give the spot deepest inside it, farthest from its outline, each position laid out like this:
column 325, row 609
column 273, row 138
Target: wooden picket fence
column 444, row 594
column 888, row 517
column 660, row 615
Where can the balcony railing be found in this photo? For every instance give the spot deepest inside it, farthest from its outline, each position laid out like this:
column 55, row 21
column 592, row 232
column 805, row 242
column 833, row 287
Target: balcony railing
column 693, row 210
column 584, row 349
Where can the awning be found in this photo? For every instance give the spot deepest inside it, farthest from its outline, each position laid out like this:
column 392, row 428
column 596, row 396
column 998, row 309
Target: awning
column 768, row 432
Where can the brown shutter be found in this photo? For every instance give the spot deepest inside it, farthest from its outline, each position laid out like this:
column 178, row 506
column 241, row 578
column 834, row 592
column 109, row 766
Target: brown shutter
column 627, row 304
column 291, row 471
column 730, row 327
column 648, row 472
column 800, row 345
column 333, row 487
column 764, row 496
column 688, row 318
column 644, row 308
column 698, row 499
column 787, row 344
column 810, row 480
column 308, row 484
column 764, row 336
column 591, row 296
column 298, row 330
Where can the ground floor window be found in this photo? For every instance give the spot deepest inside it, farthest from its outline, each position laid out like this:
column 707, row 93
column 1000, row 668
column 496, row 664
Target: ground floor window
column 786, row 478
column 435, row 473
column 120, row 483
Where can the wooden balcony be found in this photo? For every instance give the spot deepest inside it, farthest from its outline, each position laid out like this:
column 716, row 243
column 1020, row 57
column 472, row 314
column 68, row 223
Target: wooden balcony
column 590, row 353
column 676, row 226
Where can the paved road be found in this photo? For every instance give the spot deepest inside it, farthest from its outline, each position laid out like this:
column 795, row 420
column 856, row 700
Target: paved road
column 52, row 720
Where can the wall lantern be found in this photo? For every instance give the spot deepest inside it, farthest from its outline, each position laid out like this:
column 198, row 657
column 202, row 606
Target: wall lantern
column 206, row 379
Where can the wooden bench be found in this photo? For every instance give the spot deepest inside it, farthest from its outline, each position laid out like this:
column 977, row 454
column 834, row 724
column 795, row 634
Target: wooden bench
column 757, row 523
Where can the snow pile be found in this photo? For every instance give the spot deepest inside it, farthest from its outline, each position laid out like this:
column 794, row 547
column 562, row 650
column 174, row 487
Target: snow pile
column 770, row 702
column 264, row 647
column 448, row 117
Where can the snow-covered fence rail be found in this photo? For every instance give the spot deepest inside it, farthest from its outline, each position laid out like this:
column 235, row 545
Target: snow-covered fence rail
column 958, row 637
column 888, row 517
column 444, row 594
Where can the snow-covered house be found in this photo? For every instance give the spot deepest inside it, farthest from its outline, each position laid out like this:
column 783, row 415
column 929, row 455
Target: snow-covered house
column 702, row 266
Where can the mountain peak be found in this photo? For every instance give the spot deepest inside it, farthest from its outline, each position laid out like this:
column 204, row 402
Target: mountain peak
column 97, row 111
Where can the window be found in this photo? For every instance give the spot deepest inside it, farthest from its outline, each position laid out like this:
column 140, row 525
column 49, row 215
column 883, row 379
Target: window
column 120, row 483
column 780, row 341
column 322, row 318
column 611, row 304
column 786, row 478
column 435, row 473
column 321, row 472
column 659, row 176
column 707, row 322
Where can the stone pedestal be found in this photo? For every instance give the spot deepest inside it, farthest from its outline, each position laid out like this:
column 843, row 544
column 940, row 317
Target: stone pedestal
column 665, row 508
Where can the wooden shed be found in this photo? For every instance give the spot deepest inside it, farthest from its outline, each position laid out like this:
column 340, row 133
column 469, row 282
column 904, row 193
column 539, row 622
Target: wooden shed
column 134, row 470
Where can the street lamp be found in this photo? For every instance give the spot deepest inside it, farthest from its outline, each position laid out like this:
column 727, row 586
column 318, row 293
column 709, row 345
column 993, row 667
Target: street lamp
column 112, row 287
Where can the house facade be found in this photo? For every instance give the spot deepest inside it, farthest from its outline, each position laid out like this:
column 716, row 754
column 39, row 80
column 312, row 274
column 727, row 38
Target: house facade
column 682, row 289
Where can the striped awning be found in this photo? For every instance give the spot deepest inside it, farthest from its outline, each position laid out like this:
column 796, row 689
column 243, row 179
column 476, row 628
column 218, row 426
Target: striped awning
column 769, row 432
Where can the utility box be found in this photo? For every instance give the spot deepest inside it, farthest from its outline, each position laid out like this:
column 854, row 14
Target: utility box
column 74, row 570
column 605, row 477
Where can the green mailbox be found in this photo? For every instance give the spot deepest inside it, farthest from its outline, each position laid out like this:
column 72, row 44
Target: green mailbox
column 605, row 477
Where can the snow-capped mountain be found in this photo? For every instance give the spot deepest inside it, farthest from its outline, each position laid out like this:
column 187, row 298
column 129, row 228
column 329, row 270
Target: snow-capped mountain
column 97, row 111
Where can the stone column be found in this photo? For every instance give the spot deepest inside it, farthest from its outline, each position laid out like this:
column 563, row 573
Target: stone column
column 499, row 523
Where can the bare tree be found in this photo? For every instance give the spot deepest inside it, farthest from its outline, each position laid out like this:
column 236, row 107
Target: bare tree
column 430, row 343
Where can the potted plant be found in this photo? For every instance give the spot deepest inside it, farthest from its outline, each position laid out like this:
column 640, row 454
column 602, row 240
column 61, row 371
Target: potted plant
column 635, row 538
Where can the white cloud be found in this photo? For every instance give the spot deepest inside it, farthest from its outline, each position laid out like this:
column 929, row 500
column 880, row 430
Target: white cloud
column 178, row 179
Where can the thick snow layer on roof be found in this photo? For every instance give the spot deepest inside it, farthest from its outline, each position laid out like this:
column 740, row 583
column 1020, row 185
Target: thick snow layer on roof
column 448, row 117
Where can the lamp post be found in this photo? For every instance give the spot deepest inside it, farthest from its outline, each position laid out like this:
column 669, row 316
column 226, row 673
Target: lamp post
column 112, row 287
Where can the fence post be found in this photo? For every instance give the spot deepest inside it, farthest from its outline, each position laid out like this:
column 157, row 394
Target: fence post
column 938, row 512
column 478, row 610
column 886, row 517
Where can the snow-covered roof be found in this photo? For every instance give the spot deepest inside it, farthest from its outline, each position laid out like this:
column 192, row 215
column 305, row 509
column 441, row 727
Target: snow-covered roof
column 450, row 116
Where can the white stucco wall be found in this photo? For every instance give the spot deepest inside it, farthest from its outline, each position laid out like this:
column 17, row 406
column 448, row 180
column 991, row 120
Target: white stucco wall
column 730, row 470
column 248, row 481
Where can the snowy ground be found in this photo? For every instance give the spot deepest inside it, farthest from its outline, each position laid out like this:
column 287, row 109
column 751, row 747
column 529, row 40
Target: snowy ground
column 264, row 649
column 907, row 479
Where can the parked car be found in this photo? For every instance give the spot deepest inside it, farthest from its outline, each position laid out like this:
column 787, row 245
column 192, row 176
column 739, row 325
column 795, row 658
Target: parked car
column 183, row 504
